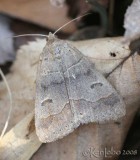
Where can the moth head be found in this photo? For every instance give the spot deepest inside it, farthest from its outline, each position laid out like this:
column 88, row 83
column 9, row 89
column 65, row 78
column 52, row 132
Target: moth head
column 53, row 46
column 51, row 38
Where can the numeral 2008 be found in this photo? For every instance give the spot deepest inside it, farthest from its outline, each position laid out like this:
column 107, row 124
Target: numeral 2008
column 129, row 152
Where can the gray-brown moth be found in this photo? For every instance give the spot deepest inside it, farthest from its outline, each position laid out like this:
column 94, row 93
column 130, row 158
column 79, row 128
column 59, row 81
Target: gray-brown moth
column 70, row 91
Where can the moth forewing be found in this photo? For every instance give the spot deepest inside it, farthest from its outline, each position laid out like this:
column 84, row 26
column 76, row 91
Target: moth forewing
column 70, row 91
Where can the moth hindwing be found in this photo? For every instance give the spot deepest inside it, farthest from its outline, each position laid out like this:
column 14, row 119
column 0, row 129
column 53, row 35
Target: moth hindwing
column 70, row 91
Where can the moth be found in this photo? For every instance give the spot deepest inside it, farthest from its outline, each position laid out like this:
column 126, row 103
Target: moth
column 70, row 91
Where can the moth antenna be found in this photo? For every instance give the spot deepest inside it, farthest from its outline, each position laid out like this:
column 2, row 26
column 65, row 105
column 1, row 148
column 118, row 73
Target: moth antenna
column 22, row 35
column 70, row 22
column 11, row 103
column 43, row 35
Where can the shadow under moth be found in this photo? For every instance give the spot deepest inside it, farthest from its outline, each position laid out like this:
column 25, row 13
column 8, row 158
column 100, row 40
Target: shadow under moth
column 70, row 91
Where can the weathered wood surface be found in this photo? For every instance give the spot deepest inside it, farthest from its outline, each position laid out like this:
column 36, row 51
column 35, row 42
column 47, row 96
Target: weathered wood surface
column 81, row 143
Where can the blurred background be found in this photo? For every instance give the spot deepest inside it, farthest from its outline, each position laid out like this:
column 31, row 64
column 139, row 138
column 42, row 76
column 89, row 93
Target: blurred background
column 44, row 16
